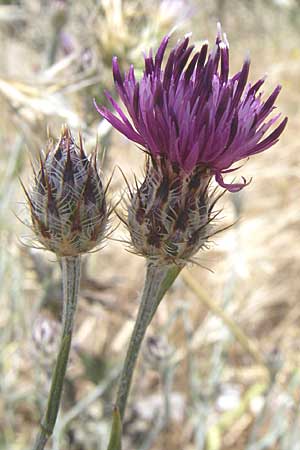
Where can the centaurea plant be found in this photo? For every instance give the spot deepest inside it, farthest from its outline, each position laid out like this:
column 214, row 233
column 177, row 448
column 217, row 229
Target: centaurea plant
column 194, row 121
column 69, row 217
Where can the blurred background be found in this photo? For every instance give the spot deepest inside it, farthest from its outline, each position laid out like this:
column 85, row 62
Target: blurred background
column 220, row 365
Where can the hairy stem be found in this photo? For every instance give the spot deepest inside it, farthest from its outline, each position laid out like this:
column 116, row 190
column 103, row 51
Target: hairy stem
column 158, row 280
column 71, row 278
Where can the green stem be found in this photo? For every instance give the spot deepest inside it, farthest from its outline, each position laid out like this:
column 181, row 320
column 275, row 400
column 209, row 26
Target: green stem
column 158, row 280
column 71, row 278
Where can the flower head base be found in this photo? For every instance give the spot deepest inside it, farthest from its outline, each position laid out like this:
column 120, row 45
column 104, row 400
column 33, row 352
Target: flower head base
column 170, row 214
column 192, row 113
column 67, row 200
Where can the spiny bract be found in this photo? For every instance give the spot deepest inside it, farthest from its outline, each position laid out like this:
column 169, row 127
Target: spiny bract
column 170, row 215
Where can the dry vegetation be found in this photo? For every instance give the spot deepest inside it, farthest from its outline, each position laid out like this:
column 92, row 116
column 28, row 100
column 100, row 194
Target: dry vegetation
column 220, row 367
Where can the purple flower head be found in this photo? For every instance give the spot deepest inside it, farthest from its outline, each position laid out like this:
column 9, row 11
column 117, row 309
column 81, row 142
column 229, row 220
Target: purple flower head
column 192, row 113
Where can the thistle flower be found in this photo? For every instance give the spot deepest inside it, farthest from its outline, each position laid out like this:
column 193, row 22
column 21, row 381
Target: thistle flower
column 67, row 199
column 194, row 121
column 192, row 113
column 69, row 217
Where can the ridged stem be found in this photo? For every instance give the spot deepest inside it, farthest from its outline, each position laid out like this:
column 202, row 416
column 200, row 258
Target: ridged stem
column 71, row 279
column 158, row 280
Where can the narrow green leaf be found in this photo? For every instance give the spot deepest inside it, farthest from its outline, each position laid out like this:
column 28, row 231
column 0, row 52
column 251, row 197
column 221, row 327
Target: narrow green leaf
column 116, row 431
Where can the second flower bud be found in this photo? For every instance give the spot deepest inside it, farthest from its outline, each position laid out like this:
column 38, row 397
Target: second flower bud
column 67, row 200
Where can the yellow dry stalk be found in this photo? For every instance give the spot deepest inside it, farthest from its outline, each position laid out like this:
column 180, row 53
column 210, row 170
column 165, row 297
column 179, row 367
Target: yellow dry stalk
column 128, row 27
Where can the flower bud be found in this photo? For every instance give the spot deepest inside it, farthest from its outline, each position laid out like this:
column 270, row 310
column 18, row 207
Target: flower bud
column 67, row 200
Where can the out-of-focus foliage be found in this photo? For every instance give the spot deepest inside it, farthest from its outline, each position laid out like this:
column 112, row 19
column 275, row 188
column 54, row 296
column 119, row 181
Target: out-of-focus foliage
column 220, row 367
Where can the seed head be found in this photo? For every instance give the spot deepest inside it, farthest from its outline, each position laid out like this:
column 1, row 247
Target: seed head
column 67, row 200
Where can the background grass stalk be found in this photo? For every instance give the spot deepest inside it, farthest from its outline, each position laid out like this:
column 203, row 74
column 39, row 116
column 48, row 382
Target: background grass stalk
column 71, row 279
column 245, row 341
column 158, row 280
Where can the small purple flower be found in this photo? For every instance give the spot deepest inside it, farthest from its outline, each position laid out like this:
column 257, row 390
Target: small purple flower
column 192, row 113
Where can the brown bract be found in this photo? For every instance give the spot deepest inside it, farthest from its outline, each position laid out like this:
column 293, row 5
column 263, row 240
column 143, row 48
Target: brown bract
column 170, row 215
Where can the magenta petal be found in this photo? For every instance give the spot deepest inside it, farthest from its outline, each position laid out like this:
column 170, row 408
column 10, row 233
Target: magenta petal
column 118, row 109
column 191, row 160
column 232, row 187
column 128, row 131
column 116, row 71
column 271, row 139
column 160, row 54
